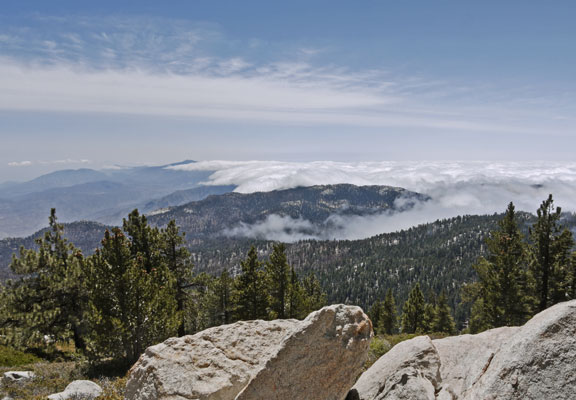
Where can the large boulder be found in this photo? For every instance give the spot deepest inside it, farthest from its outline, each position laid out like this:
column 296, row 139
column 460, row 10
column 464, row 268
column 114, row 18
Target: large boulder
column 535, row 361
column 410, row 370
column 78, row 390
column 538, row 362
column 465, row 358
column 317, row 358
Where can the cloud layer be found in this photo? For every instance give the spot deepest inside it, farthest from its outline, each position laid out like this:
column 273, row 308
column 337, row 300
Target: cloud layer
column 456, row 188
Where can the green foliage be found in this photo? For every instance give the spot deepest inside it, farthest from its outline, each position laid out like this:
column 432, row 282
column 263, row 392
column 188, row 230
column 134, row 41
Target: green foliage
column 10, row 357
column 443, row 322
column 375, row 312
column 132, row 293
column 388, row 320
column 252, row 298
column 502, row 293
column 278, row 281
column 315, row 296
column 177, row 258
column 49, row 296
column 413, row 312
column 550, row 257
column 519, row 278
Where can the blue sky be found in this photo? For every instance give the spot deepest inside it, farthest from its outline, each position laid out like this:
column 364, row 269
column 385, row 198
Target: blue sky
column 91, row 84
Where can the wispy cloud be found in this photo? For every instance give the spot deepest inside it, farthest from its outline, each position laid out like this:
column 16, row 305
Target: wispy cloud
column 47, row 162
column 20, row 163
column 175, row 68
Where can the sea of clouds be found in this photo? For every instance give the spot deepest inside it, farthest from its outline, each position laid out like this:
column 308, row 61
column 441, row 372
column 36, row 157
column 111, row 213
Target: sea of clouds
column 455, row 188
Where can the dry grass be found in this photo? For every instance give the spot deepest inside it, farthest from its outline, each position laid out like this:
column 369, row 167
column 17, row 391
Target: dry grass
column 54, row 377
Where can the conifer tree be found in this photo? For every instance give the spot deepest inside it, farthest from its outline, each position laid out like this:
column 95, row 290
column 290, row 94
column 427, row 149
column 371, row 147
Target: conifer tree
column 224, row 287
column 177, row 257
column 278, row 280
column 315, row 296
column 132, row 301
column 428, row 318
column 444, row 321
column 413, row 311
column 252, row 297
column 296, row 298
column 49, row 298
column 550, row 257
column 388, row 320
column 375, row 312
column 504, row 299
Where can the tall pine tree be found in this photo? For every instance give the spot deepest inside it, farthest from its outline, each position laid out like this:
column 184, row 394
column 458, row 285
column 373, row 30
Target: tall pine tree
column 132, row 298
column 388, row 320
column 252, row 297
column 413, row 311
column 50, row 296
column 278, row 279
column 504, row 297
column 550, row 256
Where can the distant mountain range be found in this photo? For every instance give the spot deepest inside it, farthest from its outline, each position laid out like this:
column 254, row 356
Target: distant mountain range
column 104, row 196
column 316, row 208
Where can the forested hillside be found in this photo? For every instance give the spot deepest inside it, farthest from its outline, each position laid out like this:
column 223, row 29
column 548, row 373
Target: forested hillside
column 314, row 206
column 439, row 255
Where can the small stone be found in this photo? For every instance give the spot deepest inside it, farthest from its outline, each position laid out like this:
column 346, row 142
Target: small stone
column 18, row 376
column 78, row 390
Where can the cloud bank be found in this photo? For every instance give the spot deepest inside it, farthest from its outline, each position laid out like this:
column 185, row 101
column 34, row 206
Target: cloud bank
column 455, row 188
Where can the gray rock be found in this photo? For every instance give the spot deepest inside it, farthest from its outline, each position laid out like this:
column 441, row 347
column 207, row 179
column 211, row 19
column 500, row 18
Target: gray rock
column 221, row 362
column 465, row 358
column 535, row 361
column 18, row 376
column 78, row 390
column 410, row 370
column 538, row 362
column 319, row 361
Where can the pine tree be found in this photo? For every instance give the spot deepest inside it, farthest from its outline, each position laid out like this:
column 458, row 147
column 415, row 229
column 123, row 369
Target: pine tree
column 428, row 318
column 224, row 287
column 177, row 257
column 278, row 281
column 413, row 311
column 296, row 307
column 388, row 320
column 504, row 299
column 132, row 301
column 315, row 297
column 375, row 312
column 444, row 321
column 49, row 298
column 252, row 297
column 550, row 258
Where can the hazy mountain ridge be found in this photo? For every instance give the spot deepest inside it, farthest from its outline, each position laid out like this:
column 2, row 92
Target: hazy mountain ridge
column 85, row 235
column 314, row 207
column 104, row 196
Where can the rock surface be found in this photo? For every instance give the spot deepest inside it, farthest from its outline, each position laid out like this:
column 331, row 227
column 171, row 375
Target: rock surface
column 17, row 376
column 78, row 390
column 317, row 358
column 411, row 368
column 535, row 361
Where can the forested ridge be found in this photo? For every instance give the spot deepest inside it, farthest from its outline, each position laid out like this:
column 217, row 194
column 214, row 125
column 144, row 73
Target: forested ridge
column 143, row 284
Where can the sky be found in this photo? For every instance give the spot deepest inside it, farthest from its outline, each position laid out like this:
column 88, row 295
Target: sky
column 95, row 84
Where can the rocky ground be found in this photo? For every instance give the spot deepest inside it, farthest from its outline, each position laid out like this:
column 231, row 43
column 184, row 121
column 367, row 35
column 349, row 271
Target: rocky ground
column 321, row 358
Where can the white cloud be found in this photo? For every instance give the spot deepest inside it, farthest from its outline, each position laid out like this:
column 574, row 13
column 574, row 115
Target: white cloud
column 48, row 162
column 455, row 188
column 20, row 163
